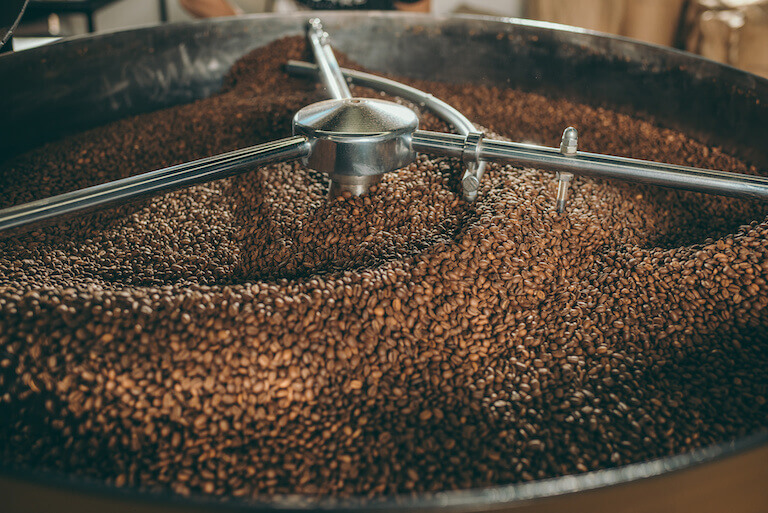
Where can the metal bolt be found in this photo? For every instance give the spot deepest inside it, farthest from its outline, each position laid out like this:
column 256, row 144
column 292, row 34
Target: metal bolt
column 470, row 184
column 569, row 144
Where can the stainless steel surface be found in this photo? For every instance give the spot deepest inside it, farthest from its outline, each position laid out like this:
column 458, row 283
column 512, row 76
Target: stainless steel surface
column 330, row 74
column 354, row 185
column 569, row 145
column 470, row 181
column 358, row 137
column 601, row 166
column 154, row 182
column 474, row 171
column 563, row 184
column 441, row 109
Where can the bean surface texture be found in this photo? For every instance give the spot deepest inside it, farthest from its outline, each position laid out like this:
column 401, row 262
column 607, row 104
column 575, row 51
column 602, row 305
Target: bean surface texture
column 250, row 338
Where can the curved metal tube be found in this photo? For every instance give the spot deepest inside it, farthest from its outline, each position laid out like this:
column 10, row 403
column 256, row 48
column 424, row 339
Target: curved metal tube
column 440, row 108
column 153, row 182
column 597, row 165
column 4, row 39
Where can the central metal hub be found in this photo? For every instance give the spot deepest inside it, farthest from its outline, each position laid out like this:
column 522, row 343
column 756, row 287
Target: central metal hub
column 356, row 140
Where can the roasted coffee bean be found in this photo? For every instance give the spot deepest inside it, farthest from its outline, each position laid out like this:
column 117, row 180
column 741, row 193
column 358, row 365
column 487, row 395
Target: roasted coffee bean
column 251, row 338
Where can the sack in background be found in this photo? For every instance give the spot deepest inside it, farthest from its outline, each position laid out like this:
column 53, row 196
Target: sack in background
column 654, row 21
column 731, row 31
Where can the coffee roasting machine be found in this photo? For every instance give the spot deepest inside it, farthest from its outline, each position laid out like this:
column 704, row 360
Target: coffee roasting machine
column 356, row 140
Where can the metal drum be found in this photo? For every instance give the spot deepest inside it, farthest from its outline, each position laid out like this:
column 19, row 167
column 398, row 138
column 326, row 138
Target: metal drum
column 73, row 85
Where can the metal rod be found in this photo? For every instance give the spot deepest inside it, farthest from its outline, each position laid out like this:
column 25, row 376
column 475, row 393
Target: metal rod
column 597, row 165
column 330, row 73
column 155, row 182
column 441, row 109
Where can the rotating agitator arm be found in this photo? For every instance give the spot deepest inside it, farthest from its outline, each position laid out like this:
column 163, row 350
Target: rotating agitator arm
column 153, row 183
column 474, row 149
column 356, row 140
column 568, row 159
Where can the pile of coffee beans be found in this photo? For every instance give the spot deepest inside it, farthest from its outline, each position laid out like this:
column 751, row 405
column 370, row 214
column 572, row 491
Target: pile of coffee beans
column 250, row 338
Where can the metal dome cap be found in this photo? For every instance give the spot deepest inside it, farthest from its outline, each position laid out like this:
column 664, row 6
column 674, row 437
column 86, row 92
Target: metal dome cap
column 356, row 140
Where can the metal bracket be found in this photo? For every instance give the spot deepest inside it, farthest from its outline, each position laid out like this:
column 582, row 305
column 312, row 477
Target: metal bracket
column 470, row 182
column 569, row 146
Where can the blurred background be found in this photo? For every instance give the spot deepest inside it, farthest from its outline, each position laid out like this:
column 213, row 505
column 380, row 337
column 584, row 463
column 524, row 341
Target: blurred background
column 730, row 31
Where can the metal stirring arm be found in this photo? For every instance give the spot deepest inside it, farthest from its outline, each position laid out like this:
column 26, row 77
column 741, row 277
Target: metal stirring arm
column 474, row 149
column 593, row 164
column 182, row 175
column 187, row 174
column 154, row 182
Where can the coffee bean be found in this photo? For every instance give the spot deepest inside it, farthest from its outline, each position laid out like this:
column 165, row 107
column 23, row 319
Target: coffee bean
column 250, row 338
